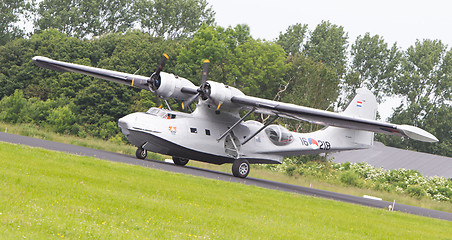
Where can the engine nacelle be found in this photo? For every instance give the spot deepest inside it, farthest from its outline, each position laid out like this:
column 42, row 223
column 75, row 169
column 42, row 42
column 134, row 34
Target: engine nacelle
column 221, row 93
column 170, row 85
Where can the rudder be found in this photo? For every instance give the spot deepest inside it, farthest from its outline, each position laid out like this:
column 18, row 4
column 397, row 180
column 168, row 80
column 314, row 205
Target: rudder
column 363, row 105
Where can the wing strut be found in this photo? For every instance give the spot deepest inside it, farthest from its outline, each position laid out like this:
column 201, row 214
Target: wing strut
column 167, row 104
column 260, row 130
column 235, row 124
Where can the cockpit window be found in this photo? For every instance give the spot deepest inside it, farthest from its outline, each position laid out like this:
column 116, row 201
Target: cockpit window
column 279, row 135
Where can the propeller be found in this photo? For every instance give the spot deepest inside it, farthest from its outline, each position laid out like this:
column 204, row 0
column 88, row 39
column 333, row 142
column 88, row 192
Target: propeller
column 155, row 80
column 204, row 89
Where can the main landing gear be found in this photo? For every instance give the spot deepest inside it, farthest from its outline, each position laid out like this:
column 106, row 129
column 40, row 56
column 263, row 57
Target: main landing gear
column 180, row 161
column 241, row 168
column 141, row 153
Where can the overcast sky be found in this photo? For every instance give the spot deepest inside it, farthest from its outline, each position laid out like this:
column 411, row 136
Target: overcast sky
column 396, row 21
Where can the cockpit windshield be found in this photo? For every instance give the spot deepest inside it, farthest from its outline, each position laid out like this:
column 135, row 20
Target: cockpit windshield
column 278, row 135
column 156, row 112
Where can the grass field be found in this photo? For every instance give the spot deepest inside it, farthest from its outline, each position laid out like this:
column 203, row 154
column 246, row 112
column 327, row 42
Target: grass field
column 308, row 181
column 45, row 194
column 258, row 172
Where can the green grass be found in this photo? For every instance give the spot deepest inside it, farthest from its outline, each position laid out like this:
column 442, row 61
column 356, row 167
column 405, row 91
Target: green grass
column 45, row 194
column 256, row 171
column 31, row 130
column 308, row 181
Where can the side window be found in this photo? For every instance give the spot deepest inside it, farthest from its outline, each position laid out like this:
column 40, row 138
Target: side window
column 272, row 134
column 207, row 132
column 170, row 116
column 279, row 135
column 193, row 130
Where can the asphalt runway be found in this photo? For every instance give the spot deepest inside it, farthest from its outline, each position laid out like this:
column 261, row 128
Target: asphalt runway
column 116, row 157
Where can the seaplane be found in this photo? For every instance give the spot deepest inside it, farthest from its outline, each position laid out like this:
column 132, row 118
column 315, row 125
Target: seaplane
column 218, row 131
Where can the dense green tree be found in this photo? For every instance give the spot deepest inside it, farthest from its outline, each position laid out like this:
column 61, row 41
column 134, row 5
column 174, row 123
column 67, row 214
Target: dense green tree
column 173, row 18
column 254, row 66
column 425, row 79
column 216, row 44
column 13, row 108
column 11, row 12
column 311, row 84
column 373, row 65
column 62, row 119
column 15, row 66
column 109, row 16
column 96, row 103
column 328, row 44
column 437, row 122
column 257, row 68
column 81, row 18
column 292, row 40
column 425, row 84
column 64, row 15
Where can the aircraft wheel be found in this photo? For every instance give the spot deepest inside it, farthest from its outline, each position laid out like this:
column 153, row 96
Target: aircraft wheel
column 241, row 168
column 180, row 161
column 141, row 153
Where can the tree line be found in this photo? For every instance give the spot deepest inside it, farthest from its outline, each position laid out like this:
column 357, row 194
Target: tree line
column 317, row 67
column 89, row 18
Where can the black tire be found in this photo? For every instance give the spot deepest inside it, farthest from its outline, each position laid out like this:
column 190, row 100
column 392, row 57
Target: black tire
column 180, row 161
column 141, row 153
column 241, row 168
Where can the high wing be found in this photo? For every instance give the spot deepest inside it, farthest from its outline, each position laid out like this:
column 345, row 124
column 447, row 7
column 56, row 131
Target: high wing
column 326, row 118
column 119, row 77
column 164, row 85
column 167, row 86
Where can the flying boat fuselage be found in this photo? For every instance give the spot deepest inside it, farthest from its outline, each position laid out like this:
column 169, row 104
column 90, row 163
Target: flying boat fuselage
column 195, row 136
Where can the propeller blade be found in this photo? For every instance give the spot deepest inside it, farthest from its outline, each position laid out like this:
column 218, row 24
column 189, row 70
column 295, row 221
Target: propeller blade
column 205, row 72
column 154, row 80
column 161, row 64
column 203, row 90
column 187, row 102
column 219, row 105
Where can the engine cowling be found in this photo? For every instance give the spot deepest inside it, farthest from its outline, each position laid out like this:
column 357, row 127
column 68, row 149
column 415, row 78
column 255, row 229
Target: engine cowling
column 222, row 94
column 170, row 85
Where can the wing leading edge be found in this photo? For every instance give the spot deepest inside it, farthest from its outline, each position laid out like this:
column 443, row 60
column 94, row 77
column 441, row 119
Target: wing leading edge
column 326, row 118
column 119, row 77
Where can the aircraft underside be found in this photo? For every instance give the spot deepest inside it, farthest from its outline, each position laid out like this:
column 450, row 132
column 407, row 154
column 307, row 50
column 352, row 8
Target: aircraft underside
column 156, row 144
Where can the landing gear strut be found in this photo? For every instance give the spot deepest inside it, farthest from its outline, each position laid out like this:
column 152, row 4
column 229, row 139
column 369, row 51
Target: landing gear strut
column 141, row 153
column 180, row 161
column 241, row 168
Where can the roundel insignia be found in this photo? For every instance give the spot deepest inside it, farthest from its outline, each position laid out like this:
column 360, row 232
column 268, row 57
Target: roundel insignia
column 313, row 141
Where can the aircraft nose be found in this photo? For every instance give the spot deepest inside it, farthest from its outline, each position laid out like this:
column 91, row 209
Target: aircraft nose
column 124, row 124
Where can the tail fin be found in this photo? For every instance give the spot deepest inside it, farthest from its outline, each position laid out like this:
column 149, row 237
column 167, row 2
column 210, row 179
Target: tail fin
column 363, row 105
